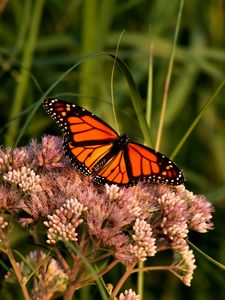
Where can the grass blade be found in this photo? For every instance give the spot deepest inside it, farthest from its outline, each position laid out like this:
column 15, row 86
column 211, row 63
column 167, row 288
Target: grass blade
column 197, row 119
column 168, row 78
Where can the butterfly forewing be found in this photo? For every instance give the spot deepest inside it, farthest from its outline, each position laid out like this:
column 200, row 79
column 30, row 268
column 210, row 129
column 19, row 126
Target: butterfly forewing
column 78, row 124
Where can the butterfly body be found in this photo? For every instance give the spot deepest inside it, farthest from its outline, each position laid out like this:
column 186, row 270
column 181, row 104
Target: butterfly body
column 96, row 149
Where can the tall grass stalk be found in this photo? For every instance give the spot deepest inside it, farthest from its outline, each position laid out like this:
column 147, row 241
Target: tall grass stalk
column 26, row 17
column 97, row 18
column 112, row 79
column 23, row 80
column 88, row 45
column 168, row 78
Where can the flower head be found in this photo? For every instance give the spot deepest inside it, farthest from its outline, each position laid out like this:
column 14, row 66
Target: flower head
column 3, row 225
column 184, row 264
column 9, row 198
column 25, row 178
column 199, row 210
column 4, row 160
column 63, row 223
column 49, row 155
column 144, row 242
column 174, row 215
column 129, row 295
column 13, row 158
column 113, row 191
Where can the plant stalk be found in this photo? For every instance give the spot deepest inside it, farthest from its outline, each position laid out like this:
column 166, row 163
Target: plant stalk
column 168, row 78
column 18, row 273
column 23, row 80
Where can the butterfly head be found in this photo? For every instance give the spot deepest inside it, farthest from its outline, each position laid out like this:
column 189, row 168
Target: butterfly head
column 123, row 140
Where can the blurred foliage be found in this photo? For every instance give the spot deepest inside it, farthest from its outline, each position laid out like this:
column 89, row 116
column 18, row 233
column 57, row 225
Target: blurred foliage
column 40, row 40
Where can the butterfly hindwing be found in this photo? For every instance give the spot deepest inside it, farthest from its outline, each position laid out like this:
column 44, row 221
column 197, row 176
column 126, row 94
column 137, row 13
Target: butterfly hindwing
column 139, row 163
column 85, row 157
column 148, row 165
column 114, row 171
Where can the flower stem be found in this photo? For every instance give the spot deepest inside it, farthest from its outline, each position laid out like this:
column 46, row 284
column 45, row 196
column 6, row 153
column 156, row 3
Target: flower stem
column 155, row 268
column 69, row 292
column 61, row 259
column 18, row 273
column 140, row 282
column 121, row 281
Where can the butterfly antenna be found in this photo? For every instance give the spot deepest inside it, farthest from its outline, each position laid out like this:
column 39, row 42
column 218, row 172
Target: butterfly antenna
column 112, row 79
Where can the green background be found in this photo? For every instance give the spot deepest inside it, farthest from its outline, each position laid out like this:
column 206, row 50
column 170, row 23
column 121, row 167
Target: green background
column 40, row 40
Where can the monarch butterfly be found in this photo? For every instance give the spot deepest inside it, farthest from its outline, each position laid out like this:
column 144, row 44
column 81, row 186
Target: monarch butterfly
column 96, row 149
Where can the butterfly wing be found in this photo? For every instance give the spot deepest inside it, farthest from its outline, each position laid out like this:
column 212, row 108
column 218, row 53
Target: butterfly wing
column 87, row 139
column 148, row 165
column 86, row 157
column 136, row 163
column 116, row 171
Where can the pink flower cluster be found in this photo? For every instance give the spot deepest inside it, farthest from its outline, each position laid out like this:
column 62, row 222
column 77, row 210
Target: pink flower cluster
column 130, row 224
column 63, row 223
